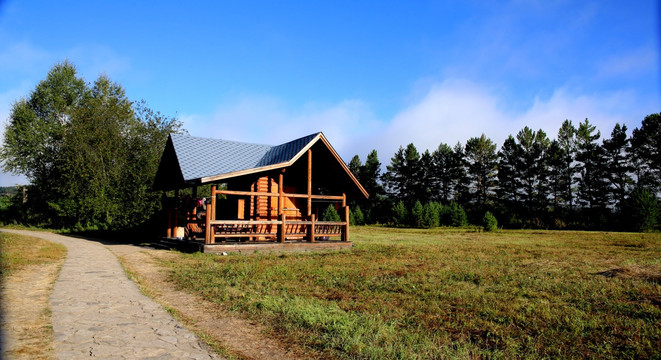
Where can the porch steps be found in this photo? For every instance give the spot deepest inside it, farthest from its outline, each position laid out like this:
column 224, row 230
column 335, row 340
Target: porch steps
column 176, row 244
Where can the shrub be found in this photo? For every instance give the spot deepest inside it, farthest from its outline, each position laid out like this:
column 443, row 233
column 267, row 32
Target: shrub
column 453, row 215
column 399, row 214
column 430, row 217
column 357, row 217
column 330, row 214
column 416, row 214
column 489, row 222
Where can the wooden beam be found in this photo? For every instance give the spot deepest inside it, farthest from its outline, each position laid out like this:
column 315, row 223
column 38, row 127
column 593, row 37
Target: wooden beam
column 257, row 193
column 310, row 182
column 344, row 199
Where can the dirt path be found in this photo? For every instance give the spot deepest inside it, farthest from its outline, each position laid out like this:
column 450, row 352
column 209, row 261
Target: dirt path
column 98, row 312
column 238, row 336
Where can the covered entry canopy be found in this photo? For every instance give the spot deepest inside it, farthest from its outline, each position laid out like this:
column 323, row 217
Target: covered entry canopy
column 189, row 161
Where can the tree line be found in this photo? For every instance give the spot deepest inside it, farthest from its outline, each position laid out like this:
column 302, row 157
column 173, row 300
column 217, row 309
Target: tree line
column 578, row 180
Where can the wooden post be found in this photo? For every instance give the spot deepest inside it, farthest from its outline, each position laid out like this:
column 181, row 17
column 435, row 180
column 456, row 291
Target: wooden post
column 309, row 182
column 211, row 213
column 283, row 228
column 168, row 232
column 344, row 199
column 311, row 234
column 175, row 218
column 345, row 233
column 281, row 191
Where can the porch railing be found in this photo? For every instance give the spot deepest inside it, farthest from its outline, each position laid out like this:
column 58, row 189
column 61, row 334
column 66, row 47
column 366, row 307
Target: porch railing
column 280, row 229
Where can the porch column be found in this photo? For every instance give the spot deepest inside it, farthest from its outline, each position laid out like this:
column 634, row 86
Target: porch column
column 309, row 182
column 283, row 228
column 175, row 219
column 311, row 234
column 280, row 194
column 345, row 233
column 209, row 237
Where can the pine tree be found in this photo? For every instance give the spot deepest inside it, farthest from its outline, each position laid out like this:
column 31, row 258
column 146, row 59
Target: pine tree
column 482, row 160
column 509, row 158
column 646, row 150
column 443, row 171
column 533, row 170
column 403, row 177
column 592, row 184
column 355, row 167
column 618, row 166
column 566, row 169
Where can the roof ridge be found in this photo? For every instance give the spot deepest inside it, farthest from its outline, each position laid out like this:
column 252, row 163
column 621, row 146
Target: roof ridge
column 248, row 143
column 225, row 140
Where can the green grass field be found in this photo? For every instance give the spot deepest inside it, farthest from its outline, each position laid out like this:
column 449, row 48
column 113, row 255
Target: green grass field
column 447, row 293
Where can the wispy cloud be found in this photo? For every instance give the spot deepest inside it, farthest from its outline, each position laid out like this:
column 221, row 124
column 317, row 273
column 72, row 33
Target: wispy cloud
column 22, row 57
column 448, row 112
column 268, row 120
column 643, row 61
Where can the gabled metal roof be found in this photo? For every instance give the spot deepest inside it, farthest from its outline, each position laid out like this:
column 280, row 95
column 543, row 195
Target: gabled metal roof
column 196, row 159
column 189, row 160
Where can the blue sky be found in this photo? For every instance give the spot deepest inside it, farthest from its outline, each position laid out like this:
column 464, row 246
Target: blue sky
column 369, row 74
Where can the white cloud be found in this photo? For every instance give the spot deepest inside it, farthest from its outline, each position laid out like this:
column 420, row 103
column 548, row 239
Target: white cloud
column 451, row 111
column 267, row 120
column 456, row 110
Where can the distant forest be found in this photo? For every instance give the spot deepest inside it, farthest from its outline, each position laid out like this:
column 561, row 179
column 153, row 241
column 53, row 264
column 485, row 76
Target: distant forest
column 91, row 155
column 576, row 181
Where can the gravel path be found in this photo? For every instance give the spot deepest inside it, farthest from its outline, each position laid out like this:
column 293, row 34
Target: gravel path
column 98, row 312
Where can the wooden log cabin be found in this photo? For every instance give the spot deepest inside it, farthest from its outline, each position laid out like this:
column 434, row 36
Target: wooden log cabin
column 259, row 194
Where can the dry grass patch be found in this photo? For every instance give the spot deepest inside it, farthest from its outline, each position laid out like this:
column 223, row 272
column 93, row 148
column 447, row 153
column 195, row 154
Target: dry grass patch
column 29, row 269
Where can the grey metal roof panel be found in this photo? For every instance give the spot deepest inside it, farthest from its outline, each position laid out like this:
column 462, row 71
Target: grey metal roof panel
column 203, row 157
column 285, row 152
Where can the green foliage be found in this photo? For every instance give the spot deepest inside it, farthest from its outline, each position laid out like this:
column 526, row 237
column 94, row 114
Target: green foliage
column 644, row 210
column 431, row 215
column 489, row 222
column 330, row 214
column 357, row 217
column 417, row 213
column 618, row 166
column 646, row 149
column 453, row 215
column 482, row 159
column 404, row 176
column 89, row 152
column 399, row 214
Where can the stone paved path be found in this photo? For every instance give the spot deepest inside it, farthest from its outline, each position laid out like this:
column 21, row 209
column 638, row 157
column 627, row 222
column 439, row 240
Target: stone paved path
column 98, row 312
